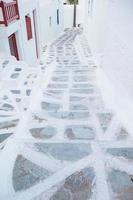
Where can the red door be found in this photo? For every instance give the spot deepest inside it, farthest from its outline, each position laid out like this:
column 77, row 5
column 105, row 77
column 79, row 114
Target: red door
column 13, row 46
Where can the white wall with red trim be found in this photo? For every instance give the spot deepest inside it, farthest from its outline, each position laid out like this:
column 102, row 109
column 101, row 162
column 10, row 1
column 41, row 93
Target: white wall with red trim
column 29, row 49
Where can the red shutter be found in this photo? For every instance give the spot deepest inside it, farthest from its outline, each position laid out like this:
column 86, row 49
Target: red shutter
column 28, row 27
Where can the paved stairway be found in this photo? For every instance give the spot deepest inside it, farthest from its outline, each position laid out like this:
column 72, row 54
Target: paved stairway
column 59, row 141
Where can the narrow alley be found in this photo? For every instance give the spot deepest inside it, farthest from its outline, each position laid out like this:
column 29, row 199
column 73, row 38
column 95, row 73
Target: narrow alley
column 59, row 141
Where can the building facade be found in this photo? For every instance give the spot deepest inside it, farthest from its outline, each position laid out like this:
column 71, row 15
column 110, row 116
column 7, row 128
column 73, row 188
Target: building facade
column 26, row 26
column 51, row 14
column 107, row 25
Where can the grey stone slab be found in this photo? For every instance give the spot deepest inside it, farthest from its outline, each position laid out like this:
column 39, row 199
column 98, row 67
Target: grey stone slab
column 61, row 72
column 76, row 98
column 28, row 92
column 65, row 61
column 5, row 63
column 121, row 152
column 14, row 75
column 83, row 85
column 75, row 62
column 80, row 71
column 47, row 95
column 121, row 184
column 9, row 124
column 55, row 91
column 43, row 132
column 81, row 132
column 122, row 134
column 78, row 107
column 50, row 106
column 5, row 97
column 4, row 116
column 18, row 69
column 36, row 117
column 64, row 151
column 78, row 186
column 7, row 107
column 82, row 91
column 105, row 119
column 70, row 115
column 4, row 136
column 26, row 174
column 60, row 78
column 18, row 100
column 82, row 78
column 16, row 91
column 58, row 86
column 82, row 68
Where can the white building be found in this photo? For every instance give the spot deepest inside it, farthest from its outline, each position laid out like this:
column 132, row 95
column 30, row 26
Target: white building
column 81, row 8
column 51, row 15
column 107, row 25
column 28, row 27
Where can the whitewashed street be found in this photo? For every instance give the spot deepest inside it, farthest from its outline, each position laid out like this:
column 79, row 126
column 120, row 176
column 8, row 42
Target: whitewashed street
column 58, row 140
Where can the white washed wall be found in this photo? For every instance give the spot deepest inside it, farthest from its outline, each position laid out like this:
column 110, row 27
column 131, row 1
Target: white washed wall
column 110, row 34
column 45, row 33
column 28, row 46
column 5, row 32
column 1, row 15
column 95, row 26
column 118, row 54
column 49, row 9
column 68, row 15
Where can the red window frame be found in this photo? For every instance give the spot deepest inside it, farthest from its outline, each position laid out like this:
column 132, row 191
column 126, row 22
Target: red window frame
column 28, row 27
column 14, row 50
column 58, row 17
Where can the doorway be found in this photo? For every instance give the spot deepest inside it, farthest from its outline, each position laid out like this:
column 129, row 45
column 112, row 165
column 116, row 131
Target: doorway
column 13, row 46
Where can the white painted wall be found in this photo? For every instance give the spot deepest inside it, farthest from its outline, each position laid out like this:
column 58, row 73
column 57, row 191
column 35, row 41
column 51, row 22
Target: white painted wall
column 45, row 32
column 110, row 35
column 68, row 16
column 1, row 15
column 95, row 23
column 109, row 32
column 29, row 46
column 26, row 48
column 49, row 9
column 118, row 52
column 5, row 32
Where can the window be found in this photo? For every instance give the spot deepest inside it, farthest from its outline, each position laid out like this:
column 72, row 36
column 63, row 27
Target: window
column 28, row 27
column 50, row 21
column 58, row 20
column 90, row 7
column 13, row 46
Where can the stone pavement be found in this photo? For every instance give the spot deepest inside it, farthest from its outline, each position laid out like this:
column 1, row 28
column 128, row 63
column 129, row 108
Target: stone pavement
column 58, row 139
